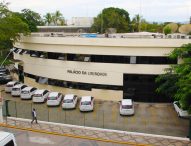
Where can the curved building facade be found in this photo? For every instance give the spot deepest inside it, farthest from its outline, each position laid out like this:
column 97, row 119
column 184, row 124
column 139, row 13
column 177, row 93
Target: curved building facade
column 106, row 68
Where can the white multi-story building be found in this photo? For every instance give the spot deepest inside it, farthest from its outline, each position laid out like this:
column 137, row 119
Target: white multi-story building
column 105, row 68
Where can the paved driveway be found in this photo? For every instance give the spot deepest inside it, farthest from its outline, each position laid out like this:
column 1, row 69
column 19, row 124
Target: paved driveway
column 149, row 118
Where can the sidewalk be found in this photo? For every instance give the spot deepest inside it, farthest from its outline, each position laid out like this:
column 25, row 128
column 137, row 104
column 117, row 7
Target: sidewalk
column 124, row 137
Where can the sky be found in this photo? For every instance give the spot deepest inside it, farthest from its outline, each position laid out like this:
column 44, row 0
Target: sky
column 151, row 10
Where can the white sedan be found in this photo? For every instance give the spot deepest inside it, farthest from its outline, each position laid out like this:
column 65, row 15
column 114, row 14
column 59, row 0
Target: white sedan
column 54, row 99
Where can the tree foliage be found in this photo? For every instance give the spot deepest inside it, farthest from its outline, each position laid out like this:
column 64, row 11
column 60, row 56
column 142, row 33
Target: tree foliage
column 31, row 18
column 180, row 78
column 54, row 18
column 112, row 18
column 167, row 30
column 10, row 27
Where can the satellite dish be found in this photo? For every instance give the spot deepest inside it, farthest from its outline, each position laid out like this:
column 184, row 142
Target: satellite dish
column 172, row 26
column 186, row 28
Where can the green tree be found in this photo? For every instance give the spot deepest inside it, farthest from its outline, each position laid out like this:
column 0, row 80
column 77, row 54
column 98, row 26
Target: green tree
column 112, row 18
column 48, row 18
column 136, row 23
column 31, row 18
column 181, row 74
column 11, row 26
column 54, row 18
column 167, row 30
column 58, row 18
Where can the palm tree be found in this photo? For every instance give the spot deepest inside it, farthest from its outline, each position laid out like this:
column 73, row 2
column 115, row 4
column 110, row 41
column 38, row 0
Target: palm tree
column 136, row 23
column 48, row 18
column 57, row 17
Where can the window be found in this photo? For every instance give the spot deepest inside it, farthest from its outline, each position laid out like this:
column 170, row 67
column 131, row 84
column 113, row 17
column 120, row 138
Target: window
column 34, row 54
column 133, row 60
column 42, row 80
column 30, row 75
column 23, row 86
column 62, row 57
column 33, row 89
column 46, row 91
column 82, row 86
column 43, row 55
column 10, row 143
column 87, row 59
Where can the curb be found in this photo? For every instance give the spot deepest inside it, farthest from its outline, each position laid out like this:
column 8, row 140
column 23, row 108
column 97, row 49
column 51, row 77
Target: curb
column 73, row 136
column 105, row 130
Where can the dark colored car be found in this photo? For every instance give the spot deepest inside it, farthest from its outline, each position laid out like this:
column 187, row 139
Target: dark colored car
column 5, row 76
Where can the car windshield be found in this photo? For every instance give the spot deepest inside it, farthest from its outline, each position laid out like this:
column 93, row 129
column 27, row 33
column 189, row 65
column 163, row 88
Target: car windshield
column 9, row 85
column 127, row 106
column 86, row 103
column 37, row 95
column 24, row 92
column 52, row 97
column 68, row 100
column 16, row 89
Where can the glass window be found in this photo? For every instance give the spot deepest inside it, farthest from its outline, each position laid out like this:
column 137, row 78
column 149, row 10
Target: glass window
column 10, row 143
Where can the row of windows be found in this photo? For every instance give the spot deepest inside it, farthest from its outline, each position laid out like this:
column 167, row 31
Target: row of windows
column 72, row 85
column 99, row 58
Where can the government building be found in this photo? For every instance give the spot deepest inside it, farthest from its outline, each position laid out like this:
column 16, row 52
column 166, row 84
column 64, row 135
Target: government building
column 110, row 67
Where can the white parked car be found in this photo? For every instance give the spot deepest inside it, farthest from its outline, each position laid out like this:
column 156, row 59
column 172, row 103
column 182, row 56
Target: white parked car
column 87, row 103
column 16, row 90
column 126, row 107
column 7, row 139
column 10, row 85
column 54, row 98
column 27, row 92
column 40, row 96
column 69, row 101
column 180, row 112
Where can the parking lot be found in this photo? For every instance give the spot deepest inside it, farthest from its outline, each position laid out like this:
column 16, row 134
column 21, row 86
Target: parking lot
column 149, row 118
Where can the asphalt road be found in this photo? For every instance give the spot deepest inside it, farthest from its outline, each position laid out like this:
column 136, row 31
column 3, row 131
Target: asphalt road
column 26, row 138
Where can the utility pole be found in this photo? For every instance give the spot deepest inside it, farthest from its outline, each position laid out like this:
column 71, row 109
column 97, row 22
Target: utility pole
column 6, row 57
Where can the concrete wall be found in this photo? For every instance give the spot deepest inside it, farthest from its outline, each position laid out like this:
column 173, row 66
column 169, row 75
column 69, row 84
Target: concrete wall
column 58, row 69
column 97, row 93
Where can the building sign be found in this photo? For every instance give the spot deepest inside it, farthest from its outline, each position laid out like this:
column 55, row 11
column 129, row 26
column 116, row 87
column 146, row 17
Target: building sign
column 88, row 73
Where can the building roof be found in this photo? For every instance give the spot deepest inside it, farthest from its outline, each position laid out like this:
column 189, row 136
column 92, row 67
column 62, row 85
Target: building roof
column 70, row 26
